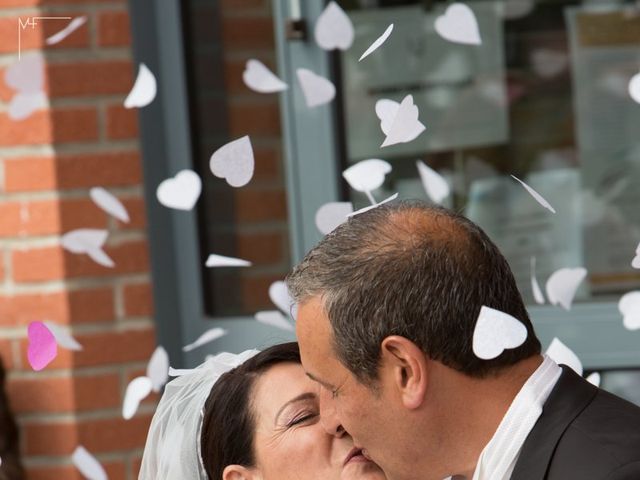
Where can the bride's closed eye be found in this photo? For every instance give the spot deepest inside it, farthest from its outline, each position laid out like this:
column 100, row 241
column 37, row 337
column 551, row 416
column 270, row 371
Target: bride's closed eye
column 302, row 418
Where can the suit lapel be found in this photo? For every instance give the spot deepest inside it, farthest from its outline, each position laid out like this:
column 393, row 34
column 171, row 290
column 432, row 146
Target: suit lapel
column 568, row 398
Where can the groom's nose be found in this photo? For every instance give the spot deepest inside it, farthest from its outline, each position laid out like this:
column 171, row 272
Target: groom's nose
column 328, row 415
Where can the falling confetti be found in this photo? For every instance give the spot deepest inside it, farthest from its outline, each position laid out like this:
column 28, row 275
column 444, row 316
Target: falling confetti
column 74, row 24
column 206, row 337
column 405, row 126
column 144, row 89
column 334, row 29
column 549, row 63
column 378, row 43
column 88, row 241
column 181, row 192
column 635, row 263
column 43, row 348
column 316, row 89
column 634, row 87
column 109, row 203
column 459, row 25
column 371, row 207
column 260, row 79
column 434, row 184
column 158, row 368
column 629, row 306
column 234, row 162
column 535, row 286
column 274, row 318
column 495, row 332
column 88, row 465
column 221, row 261
column 539, row 198
column 560, row 353
column 562, row 286
column 594, row 379
column 332, row 214
column 367, row 175
column 26, row 77
column 279, row 295
column 137, row 390
column 63, row 338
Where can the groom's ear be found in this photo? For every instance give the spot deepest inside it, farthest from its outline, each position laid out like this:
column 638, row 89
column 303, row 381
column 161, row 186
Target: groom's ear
column 238, row 472
column 406, row 364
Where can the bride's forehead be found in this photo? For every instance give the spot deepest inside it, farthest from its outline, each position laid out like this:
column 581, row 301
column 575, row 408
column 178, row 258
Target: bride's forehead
column 279, row 384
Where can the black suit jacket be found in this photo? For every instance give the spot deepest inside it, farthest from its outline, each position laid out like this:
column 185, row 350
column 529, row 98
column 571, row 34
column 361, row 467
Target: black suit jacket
column 584, row 433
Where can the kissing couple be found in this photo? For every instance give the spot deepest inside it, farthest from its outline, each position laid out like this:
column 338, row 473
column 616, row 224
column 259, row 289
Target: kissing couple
column 384, row 382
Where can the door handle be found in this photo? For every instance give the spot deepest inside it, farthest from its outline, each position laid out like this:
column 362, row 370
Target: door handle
column 295, row 26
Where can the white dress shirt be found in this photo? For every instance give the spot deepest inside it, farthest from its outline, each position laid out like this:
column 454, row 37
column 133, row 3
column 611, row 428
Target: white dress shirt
column 499, row 456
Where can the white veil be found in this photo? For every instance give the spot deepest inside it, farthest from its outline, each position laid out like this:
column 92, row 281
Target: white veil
column 172, row 451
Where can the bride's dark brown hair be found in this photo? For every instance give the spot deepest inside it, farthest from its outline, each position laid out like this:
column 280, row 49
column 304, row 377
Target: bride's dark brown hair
column 228, row 424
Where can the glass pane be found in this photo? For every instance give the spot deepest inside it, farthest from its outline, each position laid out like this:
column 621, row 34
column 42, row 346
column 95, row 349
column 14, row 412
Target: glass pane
column 249, row 222
column 623, row 383
column 544, row 98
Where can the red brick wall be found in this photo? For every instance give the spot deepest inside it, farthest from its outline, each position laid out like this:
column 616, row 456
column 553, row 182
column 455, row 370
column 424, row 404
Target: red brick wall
column 48, row 163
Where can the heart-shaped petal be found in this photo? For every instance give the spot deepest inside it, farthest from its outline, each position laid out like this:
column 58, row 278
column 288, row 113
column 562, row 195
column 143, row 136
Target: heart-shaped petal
column 629, row 306
column 367, row 175
column 43, row 348
column 560, row 353
column 158, row 368
column 495, row 332
column 378, row 43
column 181, row 192
column 459, row 25
column 316, row 89
column 259, row 78
column 634, row 87
column 234, row 162
column 208, row 336
column 334, row 29
column 144, row 89
column 406, row 125
column 332, row 214
column 88, row 464
column 109, row 203
column 137, row 390
column 434, row 184
column 279, row 295
column 26, row 75
column 22, row 105
column 562, row 286
column 63, row 338
column 594, row 379
column 386, row 110
column 274, row 318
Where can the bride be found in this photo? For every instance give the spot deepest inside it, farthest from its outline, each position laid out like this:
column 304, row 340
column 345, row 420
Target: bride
column 253, row 416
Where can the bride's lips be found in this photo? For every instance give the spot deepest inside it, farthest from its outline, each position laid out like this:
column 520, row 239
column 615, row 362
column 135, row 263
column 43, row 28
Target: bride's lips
column 355, row 455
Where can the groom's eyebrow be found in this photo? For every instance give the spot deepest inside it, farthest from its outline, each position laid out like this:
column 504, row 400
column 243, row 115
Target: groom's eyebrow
column 326, row 385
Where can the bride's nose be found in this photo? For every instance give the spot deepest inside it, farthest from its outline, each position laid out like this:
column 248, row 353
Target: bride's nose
column 328, row 415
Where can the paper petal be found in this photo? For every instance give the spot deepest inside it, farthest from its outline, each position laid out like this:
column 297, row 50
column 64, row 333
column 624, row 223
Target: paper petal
column 635, row 263
column 206, row 337
column 549, row 63
column 26, row 75
column 560, row 353
column 222, row 261
column 459, row 25
column 629, row 306
column 367, row 175
column 101, row 258
column 274, row 318
column 83, row 240
column 406, row 126
column 371, row 207
column 316, row 89
column 634, row 87
column 594, row 379
column 386, row 110
column 539, row 198
column 234, row 162
column 434, row 184
column 562, row 286
column 260, row 79
column 137, row 390
column 158, row 368
column 535, row 286
column 144, row 90
column 43, row 348
column 334, row 28
column 22, row 105
column 63, row 338
column 109, row 203
column 496, row 331
column 88, row 464
column 279, row 295
column 332, row 214
column 66, row 31
column 513, row 9
column 375, row 45
column 181, row 192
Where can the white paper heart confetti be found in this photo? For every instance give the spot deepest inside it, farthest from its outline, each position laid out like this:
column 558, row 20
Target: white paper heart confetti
column 495, row 332
column 334, row 29
column 332, row 214
column 158, row 368
column 535, row 286
column 88, row 241
column 371, row 207
column 434, row 184
column 274, row 318
column 180, row 192
column 378, row 43
column 629, row 306
column 459, row 25
column 22, row 105
column 88, row 464
column 406, row 125
column 109, row 203
column 560, row 353
column 562, row 286
column 260, row 79
column 234, row 162
column 549, row 63
column 635, row 263
column 594, row 379
column 367, row 175
column 316, row 89
column 539, row 198
column 144, row 89
column 634, row 87
column 63, row 338
column 26, row 75
column 74, row 24
column 279, row 295
column 221, row 261
column 208, row 336
column 386, row 111
column 137, row 390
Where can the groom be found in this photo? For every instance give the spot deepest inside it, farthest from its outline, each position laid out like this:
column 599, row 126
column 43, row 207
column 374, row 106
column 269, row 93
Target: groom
column 387, row 305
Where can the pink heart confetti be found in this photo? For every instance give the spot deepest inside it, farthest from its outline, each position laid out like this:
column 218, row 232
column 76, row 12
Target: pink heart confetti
column 43, row 348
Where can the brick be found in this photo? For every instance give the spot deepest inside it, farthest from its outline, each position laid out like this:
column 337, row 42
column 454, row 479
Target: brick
column 261, row 248
column 38, row 264
column 30, row 173
column 122, row 122
column 254, row 119
column 248, row 33
column 113, row 29
column 90, row 78
column 116, row 470
column 255, row 291
column 30, row 37
column 138, row 300
column 65, row 394
column 259, row 206
column 33, row 130
column 91, row 305
column 75, row 125
column 267, row 163
column 6, row 351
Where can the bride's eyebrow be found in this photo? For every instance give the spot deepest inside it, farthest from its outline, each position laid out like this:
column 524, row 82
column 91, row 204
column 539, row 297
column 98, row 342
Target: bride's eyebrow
column 299, row 398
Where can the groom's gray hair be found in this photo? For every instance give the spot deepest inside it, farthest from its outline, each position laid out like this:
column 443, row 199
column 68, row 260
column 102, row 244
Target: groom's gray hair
column 413, row 270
